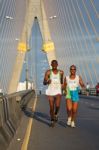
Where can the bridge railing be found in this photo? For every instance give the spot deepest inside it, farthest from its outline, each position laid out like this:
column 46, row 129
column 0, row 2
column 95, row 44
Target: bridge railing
column 11, row 114
column 92, row 91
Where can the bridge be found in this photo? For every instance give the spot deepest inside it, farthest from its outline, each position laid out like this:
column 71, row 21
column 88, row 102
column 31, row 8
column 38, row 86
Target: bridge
column 32, row 33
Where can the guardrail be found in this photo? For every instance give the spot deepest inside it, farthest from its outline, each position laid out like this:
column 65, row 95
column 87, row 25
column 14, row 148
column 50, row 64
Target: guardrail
column 92, row 91
column 11, row 114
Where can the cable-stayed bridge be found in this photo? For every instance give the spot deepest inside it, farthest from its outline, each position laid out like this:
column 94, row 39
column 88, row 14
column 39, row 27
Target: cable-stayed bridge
column 34, row 32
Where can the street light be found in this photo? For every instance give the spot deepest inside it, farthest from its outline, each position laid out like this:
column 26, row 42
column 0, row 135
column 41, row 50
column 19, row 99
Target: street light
column 17, row 39
column 9, row 17
column 52, row 17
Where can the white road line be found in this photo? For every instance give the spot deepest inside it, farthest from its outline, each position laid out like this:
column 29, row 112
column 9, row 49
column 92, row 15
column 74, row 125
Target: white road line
column 29, row 127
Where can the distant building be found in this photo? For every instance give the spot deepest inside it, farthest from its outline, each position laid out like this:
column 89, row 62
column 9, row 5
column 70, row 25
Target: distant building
column 22, row 86
column 0, row 90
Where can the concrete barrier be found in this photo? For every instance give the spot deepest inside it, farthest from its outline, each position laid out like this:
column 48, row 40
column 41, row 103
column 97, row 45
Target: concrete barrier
column 11, row 114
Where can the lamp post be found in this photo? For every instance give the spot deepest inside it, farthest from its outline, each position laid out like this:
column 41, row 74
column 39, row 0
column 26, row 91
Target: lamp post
column 27, row 76
column 27, row 70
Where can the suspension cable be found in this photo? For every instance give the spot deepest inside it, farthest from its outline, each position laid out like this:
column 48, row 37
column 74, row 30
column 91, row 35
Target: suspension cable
column 95, row 10
column 86, row 29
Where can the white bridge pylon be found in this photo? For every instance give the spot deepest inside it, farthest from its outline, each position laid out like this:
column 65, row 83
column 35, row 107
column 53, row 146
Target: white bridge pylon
column 34, row 10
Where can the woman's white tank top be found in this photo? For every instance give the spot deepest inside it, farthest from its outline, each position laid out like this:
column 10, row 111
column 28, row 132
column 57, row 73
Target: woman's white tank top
column 72, row 84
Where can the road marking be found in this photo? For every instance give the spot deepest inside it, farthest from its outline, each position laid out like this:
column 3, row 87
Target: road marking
column 29, row 127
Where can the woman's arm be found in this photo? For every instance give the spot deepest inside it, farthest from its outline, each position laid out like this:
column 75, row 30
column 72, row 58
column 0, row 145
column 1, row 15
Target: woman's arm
column 81, row 83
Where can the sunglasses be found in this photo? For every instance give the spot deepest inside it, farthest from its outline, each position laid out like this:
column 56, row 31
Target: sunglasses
column 72, row 69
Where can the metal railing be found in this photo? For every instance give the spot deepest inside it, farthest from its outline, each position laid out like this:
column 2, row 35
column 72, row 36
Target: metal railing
column 92, row 91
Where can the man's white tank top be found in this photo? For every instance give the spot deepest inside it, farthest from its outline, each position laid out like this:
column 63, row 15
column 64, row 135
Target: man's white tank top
column 72, row 84
column 55, row 87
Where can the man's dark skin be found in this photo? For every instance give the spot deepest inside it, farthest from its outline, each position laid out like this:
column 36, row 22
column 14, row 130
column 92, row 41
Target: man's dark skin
column 54, row 101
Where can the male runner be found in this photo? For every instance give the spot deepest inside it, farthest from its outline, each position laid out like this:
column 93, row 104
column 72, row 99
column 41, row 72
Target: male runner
column 54, row 79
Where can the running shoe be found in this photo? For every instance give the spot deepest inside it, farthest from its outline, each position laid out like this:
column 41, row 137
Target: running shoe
column 73, row 124
column 69, row 121
column 52, row 124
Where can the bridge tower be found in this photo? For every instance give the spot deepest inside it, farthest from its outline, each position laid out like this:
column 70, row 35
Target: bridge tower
column 34, row 10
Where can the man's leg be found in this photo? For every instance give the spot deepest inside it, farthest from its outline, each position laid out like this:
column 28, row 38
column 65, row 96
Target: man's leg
column 51, row 103
column 57, row 106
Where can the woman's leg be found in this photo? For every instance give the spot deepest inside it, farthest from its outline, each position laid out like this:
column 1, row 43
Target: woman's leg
column 69, row 111
column 74, row 113
column 74, row 110
column 69, row 107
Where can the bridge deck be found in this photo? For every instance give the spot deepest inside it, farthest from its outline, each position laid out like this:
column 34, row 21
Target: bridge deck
column 84, row 137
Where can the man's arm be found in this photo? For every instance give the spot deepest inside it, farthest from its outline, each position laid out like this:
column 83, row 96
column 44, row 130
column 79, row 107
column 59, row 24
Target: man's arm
column 62, row 76
column 47, row 78
column 64, row 86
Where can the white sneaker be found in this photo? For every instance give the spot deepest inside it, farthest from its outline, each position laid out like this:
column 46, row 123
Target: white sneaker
column 73, row 124
column 69, row 121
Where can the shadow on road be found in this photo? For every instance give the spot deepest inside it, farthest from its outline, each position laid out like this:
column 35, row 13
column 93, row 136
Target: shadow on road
column 94, row 107
column 39, row 116
column 42, row 117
